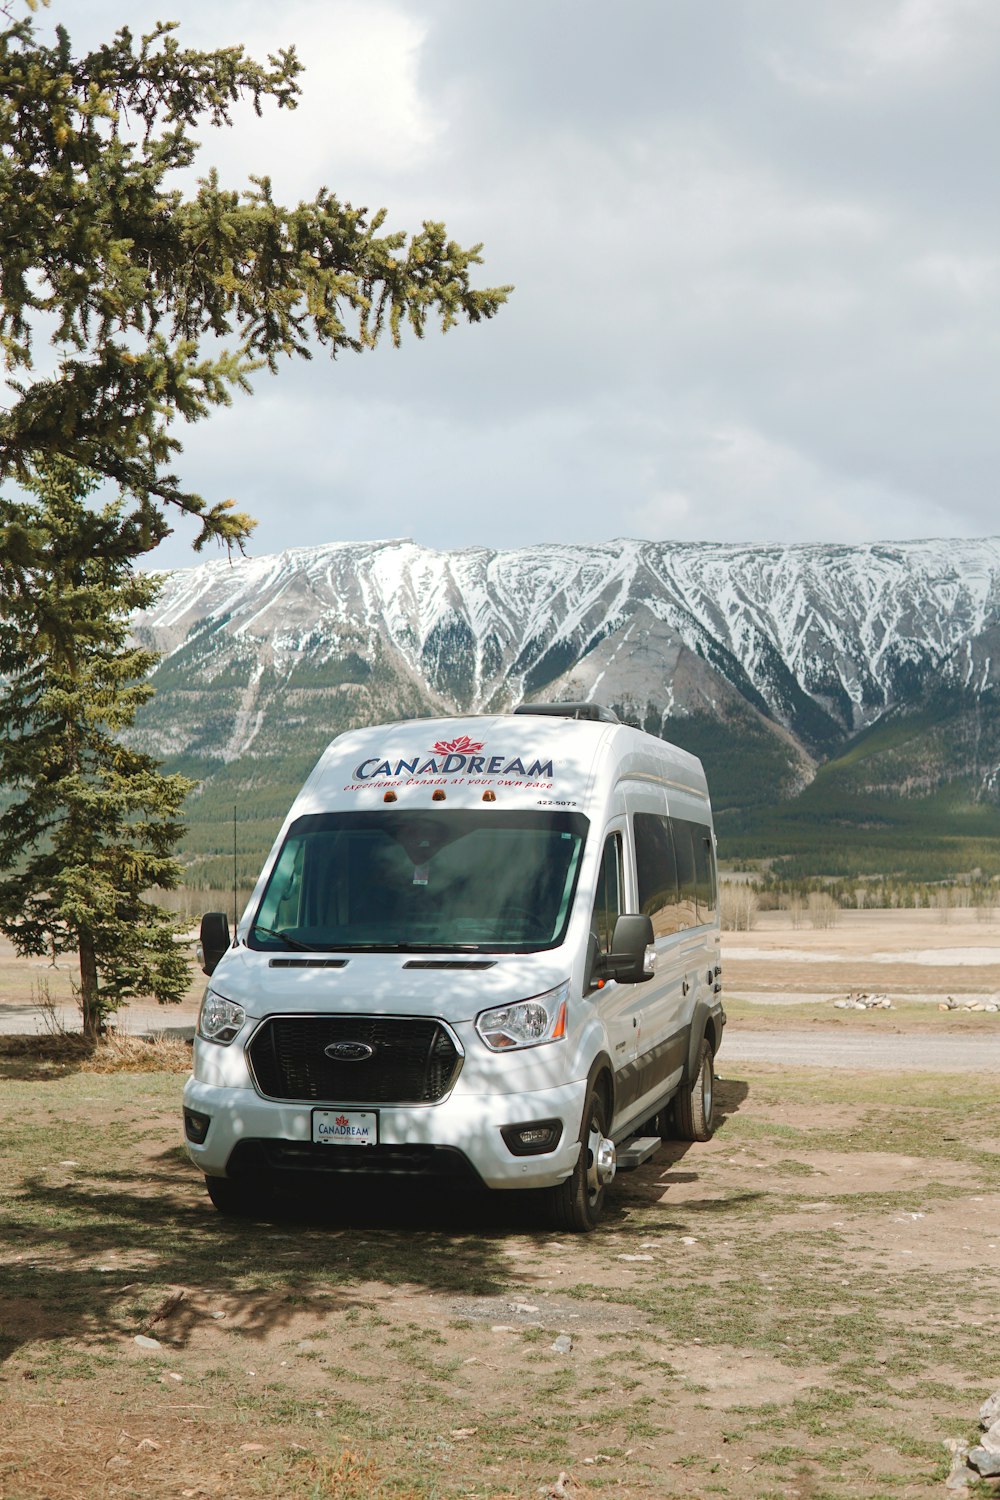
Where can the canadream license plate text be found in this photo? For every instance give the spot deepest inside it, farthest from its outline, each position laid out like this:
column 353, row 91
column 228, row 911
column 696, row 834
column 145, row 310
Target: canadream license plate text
column 345, row 1127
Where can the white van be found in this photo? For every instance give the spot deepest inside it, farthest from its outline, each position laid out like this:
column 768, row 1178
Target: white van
column 482, row 948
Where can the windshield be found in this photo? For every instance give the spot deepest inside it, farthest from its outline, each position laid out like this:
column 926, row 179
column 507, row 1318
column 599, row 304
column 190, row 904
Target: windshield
column 476, row 879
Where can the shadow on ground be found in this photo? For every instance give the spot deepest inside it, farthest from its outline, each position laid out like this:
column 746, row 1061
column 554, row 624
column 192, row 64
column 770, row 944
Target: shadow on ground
column 95, row 1257
column 648, row 1188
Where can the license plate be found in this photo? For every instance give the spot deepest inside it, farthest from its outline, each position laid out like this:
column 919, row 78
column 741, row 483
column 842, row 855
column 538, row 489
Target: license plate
column 345, row 1127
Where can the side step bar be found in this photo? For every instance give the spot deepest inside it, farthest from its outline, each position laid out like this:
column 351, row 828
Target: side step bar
column 636, row 1151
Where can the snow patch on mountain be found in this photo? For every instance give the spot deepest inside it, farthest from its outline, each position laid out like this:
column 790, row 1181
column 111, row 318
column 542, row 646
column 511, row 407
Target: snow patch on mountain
column 827, row 637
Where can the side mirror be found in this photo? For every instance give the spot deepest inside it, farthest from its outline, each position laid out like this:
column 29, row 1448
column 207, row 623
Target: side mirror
column 214, row 940
column 632, row 958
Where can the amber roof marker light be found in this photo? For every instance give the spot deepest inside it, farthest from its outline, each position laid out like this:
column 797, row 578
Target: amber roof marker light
column 390, row 797
column 437, row 796
column 489, row 796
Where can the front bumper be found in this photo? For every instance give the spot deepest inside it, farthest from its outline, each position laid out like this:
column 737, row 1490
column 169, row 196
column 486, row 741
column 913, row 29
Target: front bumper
column 413, row 1140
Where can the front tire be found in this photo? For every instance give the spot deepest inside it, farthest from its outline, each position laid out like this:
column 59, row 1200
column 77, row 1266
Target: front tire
column 694, row 1109
column 576, row 1205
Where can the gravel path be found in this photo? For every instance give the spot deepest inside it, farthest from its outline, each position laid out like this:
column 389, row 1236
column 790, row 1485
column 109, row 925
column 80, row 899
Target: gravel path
column 814, row 1048
column 806, row 1049
column 137, row 1020
column 826, row 1049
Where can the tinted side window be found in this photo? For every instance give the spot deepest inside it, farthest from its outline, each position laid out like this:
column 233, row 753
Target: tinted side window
column 608, row 902
column 656, row 871
column 687, row 885
column 675, row 865
column 704, row 863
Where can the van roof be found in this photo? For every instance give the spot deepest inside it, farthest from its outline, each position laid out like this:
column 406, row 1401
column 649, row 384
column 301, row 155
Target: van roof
column 517, row 761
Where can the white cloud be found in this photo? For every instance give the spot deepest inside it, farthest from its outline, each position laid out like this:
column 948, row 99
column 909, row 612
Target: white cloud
column 972, row 279
column 361, row 116
column 737, row 483
column 754, row 250
column 858, row 46
column 665, row 514
column 923, row 36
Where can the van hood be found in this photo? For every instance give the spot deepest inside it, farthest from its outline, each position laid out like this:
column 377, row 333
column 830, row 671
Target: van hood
column 453, row 987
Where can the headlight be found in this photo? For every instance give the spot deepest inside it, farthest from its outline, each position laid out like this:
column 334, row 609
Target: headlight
column 528, row 1023
column 219, row 1019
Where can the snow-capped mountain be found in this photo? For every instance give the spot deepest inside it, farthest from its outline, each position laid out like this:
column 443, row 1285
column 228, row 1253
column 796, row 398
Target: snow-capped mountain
column 801, row 647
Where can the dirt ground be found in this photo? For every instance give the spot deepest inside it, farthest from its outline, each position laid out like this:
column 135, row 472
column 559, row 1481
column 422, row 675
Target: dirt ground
column 804, row 1307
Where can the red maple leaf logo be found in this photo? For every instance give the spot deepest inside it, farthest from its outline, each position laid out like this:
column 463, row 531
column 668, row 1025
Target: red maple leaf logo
column 341, row 1119
column 462, row 746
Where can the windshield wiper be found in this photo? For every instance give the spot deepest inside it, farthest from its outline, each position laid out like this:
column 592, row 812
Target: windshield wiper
column 283, row 936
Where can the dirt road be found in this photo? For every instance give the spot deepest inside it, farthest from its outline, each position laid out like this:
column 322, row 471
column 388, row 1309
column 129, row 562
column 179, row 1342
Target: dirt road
column 898, row 1052
column 911, row 955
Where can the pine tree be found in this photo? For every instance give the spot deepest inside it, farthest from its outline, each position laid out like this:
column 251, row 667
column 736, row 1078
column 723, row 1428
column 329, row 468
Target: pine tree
column 92, row 823
column 151, row 303
column 161, row 303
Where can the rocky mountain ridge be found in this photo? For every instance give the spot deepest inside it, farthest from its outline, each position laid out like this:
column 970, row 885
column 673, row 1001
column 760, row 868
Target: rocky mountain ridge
column 844, row 700
column 821, row 641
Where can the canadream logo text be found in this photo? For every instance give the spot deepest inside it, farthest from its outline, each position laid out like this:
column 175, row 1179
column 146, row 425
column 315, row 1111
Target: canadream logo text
column 451, row 756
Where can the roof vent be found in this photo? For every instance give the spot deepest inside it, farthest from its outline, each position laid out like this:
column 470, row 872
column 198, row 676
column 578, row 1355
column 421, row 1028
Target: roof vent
column 593, row 711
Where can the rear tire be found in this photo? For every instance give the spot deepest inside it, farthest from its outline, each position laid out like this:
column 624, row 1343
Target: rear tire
column 694, row 1109
column 576, row 1205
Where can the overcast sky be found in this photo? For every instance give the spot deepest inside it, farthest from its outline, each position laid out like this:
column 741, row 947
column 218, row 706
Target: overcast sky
column 756, row 251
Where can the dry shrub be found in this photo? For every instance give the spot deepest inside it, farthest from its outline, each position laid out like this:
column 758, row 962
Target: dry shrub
column 823, row 910
column 70, row 1052
column 793, row 905
column 738, row 907
column 117, row 1053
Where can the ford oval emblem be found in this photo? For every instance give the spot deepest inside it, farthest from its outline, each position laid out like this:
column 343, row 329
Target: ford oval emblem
column 349, row 1051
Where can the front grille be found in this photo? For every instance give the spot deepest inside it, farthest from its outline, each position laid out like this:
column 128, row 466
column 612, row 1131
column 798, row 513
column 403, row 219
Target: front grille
column 413, row 1061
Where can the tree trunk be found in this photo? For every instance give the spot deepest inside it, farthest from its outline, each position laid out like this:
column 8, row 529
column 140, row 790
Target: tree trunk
column 90, row 999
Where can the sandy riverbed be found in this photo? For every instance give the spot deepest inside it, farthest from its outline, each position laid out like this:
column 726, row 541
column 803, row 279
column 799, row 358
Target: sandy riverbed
column 909, row 955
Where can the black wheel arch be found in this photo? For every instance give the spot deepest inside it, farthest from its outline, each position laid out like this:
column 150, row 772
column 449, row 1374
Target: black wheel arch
column 602, row 1078
column 706, row 1025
